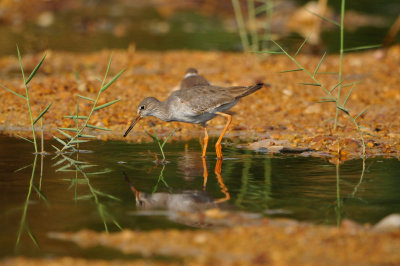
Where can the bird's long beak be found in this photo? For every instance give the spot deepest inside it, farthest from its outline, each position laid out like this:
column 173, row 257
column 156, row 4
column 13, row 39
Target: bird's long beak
column 132, row 125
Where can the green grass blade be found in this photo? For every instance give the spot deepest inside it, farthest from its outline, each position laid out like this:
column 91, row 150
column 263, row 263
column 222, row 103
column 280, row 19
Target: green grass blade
column 96, row 127
column 343, row 109
column 153, row 137
column 350, row 84
column 87, row 166
column 319, row 64
column 20, row 64
column 117, row 224
column 35, row 70
column 85, row 197
column 79, row 141
column 24, row 138
column 328, row 98
column 76, row 162
column 348, row 95
column 107, row 195
column 112, row 81
column 23, row 167
column 64, row 133
column 361, row 113
column 16, row 93
column 71, row 162
column 301, row 46
column 69, row 129
column 70, row 147
column 59, row 162
column 326, row 101
column 310, row 84
column 263, row 8
column 42, row 113
column 86, row 136
column 41, row 195
column 325, row 18
column 106, row 171
column 77, row 107
column 340, row 74
column 32, row 236
column 60, row 140
column 65, row 168
column 57, row 149
column 337, row 85
column 86, row 98
column 253, row 34
column 170, row 134
column 293, row 70
column 244, row 39
column 267, row 52
column 360, row 48
column 75, row 117
column 260, row 9
column 106, row 105
column 108, row 68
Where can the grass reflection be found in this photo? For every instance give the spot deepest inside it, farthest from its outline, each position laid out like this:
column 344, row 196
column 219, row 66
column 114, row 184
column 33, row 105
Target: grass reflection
column 338, row 207
column 79, row 168
column 245, row 182
column 160, row 179
column 267, row 179
column 339, row 200
column 361, row 179
column 24, row 226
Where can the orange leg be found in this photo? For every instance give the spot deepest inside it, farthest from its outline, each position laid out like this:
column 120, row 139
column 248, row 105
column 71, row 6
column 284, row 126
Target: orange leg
column 205, row 143
column 224, row 189
column 205, row 173
column 218, row 144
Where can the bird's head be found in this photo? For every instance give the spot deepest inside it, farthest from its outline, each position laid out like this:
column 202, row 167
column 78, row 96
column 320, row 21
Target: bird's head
column 191, row 72
column 147, row 107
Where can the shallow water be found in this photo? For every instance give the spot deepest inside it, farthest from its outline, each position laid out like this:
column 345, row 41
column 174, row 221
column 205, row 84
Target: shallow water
column 302, row 188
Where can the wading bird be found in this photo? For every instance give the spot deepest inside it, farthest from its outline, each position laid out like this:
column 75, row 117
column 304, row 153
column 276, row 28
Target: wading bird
column 197, row 105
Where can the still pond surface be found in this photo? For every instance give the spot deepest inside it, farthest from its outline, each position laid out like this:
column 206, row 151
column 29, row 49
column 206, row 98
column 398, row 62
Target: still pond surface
column 97, row 191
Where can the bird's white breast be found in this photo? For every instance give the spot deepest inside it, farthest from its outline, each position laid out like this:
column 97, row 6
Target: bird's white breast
column 180, row 111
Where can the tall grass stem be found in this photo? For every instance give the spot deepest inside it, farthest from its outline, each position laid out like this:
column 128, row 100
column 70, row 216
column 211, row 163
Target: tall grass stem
column 241, row 25
column 27, row 100
column 342, row 13
column 252, row 25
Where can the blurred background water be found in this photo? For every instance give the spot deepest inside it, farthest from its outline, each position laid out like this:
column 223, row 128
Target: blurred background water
column 86, row 26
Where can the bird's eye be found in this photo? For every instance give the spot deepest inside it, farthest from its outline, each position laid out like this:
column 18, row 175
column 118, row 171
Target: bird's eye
column 142, row 107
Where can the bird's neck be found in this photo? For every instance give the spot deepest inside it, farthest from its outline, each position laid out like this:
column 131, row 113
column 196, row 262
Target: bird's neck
column 162, row 111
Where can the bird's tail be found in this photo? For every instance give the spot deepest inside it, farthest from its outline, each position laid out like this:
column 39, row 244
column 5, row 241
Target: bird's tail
column 252, row 89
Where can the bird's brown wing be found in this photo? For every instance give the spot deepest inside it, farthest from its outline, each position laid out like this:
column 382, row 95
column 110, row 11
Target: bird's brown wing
column 204, row 98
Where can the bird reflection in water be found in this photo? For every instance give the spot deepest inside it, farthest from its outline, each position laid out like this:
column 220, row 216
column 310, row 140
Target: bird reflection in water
column 178, row 205
column 189, row 166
